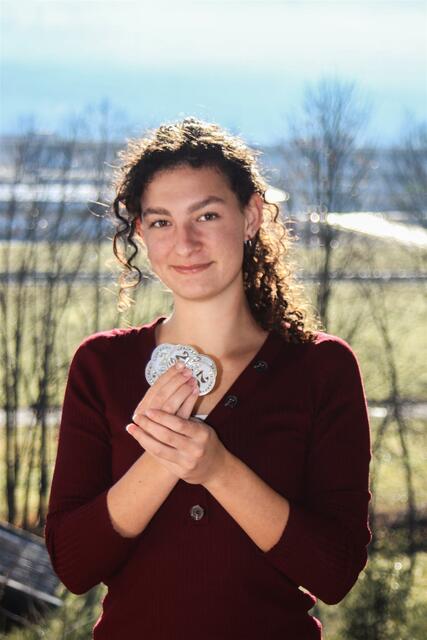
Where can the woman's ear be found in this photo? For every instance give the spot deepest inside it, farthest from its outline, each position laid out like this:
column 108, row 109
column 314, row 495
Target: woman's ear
column 253, row 214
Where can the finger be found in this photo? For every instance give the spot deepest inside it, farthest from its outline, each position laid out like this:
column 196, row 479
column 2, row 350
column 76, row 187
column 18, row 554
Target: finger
column 165, row 419
column 163, row 387
column 156, row 428
column 169, row 375
column 172, row 403
column 187, row 406
column 175, row 400
column 164, row 391
column 151, row 444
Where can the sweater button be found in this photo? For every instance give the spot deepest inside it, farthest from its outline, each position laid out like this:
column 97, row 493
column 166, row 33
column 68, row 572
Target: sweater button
column 197, row 512
column 231, row 401
column 261, row 365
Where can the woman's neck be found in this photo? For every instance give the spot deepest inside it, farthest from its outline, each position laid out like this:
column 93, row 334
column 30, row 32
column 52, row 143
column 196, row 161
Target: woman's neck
column 220, row 335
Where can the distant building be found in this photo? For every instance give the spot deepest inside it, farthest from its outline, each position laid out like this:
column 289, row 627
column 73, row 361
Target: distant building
column 55, row 190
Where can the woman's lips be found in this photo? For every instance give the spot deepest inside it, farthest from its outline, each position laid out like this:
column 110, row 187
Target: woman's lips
column 193, row 269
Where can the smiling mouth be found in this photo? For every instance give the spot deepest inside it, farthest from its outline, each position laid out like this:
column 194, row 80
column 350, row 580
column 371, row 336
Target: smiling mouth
column 195, row 269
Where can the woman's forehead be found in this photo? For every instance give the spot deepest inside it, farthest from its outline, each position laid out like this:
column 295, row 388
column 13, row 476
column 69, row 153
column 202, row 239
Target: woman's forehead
column 198, row 183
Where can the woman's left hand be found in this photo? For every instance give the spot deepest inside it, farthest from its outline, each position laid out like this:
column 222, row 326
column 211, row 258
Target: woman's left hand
column 189, row 448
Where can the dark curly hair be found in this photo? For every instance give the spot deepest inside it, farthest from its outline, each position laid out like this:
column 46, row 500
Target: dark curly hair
column 275, row 299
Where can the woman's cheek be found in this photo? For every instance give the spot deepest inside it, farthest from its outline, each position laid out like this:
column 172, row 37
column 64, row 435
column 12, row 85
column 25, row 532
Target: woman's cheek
column 156, row 254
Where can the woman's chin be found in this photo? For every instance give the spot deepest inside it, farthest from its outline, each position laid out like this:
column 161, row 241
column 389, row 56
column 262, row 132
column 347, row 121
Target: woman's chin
column 193, row 294
column 193, row 290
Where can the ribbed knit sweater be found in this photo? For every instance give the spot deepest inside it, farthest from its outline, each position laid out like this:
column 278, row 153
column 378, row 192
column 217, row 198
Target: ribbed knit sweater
column 296, row 415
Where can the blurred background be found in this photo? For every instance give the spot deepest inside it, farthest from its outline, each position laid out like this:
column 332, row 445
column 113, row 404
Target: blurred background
column 333, row 95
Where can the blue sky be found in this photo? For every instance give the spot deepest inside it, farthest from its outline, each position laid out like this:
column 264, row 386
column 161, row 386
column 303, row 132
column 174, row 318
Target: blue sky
column 242, row 63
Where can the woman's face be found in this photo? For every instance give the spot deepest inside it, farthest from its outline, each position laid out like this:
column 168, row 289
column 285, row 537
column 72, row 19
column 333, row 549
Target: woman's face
column 192, row 217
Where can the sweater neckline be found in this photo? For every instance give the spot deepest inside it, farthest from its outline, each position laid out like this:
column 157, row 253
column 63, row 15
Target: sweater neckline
column 246, row 382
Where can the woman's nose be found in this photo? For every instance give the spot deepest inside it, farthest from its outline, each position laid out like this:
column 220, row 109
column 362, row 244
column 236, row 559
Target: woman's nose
column 186, row 239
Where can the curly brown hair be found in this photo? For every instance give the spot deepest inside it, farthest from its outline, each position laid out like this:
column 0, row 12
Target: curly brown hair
column 275, row 299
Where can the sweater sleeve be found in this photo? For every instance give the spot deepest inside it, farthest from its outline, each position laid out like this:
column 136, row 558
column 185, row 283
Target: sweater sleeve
column 323, row 547
column 83, row 546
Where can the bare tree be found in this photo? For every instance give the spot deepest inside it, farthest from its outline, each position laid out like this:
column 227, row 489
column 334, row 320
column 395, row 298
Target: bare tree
column 407, row 175
column 53, row 268
column 30, row 313
column 380, row 606
column 326, row 167
column 13, row 309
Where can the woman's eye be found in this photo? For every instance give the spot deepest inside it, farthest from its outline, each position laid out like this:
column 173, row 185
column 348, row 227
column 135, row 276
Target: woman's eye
column 155, row 223
column 157, row 226
column 209, row 214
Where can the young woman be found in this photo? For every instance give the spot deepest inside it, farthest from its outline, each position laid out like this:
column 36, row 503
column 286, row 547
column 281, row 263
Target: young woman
column 220, row 514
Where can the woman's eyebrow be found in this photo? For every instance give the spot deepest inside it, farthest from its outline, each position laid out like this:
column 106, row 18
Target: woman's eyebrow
column 197, row 205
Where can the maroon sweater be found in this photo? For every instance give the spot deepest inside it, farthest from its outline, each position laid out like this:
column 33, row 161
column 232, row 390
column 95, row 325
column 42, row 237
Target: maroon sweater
column 297, row 416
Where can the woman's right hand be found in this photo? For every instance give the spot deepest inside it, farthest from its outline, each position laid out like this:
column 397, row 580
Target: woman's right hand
column 171, row 392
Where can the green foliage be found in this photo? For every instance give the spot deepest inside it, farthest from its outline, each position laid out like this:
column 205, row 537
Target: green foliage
column 74, row 620
column 380, row 606
column 388, row 601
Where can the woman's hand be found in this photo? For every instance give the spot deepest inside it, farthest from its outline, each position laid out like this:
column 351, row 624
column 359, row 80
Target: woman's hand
column 175, row 391
column 189, row 448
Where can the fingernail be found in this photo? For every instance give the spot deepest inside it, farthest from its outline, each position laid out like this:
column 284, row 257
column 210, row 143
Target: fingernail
column 179, row 365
